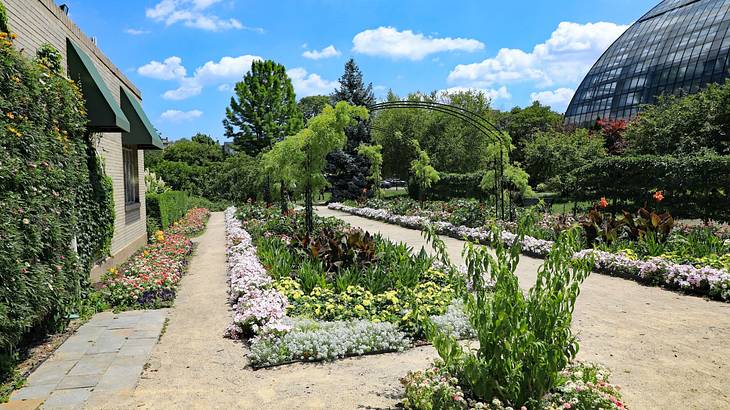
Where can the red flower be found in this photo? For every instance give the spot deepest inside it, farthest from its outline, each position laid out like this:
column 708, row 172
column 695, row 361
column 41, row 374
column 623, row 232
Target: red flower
column 603, row 203
column 658, row 196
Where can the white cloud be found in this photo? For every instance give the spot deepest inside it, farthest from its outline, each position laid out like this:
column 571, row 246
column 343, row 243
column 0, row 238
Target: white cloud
column 327, row 52
column 224, row 88
column 306, row 84
column 226, row 69
column 213, row 73
column 194, row 14
column 389, row 42
column 170, row 69
column 501, row 93
column 177, row 115
column 563, row 59
column 136, row 31
column 558, row 99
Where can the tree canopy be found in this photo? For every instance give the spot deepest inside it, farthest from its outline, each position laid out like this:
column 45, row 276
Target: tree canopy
column 300, row 159
column 264, row 109
column 312, row 105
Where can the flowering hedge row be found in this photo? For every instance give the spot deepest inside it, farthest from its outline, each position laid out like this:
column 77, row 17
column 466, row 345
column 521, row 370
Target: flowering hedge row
column 708, row 281
column 150, row 278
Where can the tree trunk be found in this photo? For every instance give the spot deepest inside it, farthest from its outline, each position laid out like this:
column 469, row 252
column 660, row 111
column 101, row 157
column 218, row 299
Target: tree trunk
column 284, row 207
column 309, row 211
column 267, row 191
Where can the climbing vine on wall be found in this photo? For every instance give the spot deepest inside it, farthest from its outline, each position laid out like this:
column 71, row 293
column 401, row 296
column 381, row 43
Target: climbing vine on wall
column 53, row 194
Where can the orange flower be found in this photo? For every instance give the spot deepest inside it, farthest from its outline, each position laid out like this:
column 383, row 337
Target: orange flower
column 603, row 203
column 658, row 196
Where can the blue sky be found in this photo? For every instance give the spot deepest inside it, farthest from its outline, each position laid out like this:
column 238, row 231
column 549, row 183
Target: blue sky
column 185, row 54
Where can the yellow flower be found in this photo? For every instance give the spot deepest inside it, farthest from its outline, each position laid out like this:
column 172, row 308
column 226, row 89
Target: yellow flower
column 160, row 236
column 13, row 36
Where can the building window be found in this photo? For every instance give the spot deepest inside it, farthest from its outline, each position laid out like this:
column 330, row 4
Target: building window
column 131, row 175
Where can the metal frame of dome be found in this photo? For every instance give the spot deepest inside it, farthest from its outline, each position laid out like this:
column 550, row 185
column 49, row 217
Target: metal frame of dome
column 678, row 47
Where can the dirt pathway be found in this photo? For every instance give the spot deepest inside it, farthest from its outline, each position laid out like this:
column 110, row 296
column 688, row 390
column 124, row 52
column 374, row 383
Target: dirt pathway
column 193, row 366
column 665, row 349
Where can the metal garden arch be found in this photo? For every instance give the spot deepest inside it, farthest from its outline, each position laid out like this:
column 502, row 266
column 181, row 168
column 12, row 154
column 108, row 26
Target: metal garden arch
column 480, row 123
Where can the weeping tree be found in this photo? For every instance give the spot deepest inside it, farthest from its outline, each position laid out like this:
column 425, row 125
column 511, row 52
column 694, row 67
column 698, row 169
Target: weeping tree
column 301, row 158
column 374, row 154
column 423, row 174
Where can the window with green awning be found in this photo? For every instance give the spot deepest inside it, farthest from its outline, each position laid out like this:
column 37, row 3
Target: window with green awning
column 105, row 115
column 141, row 131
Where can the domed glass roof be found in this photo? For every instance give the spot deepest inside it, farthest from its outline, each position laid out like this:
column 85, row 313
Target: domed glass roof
column 677, row 47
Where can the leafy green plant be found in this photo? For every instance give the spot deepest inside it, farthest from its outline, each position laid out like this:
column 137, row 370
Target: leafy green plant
column 311, row 275
column 649, row 223
column 524, row 341
column 276, row 257
column 53, row 193
column 374, row 154
column 338, row 249
column 423, row 173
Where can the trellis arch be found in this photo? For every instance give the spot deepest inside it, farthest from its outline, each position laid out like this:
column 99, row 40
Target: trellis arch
column 480, row 123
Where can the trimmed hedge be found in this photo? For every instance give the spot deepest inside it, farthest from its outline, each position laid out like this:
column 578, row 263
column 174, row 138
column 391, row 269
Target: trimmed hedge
column 693, row 186
column 167, row 207
column 53, row 194
column 452, row 186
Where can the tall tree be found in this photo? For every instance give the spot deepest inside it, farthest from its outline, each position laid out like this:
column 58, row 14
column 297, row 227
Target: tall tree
column 347, row 170
column 264, row 109
column 313, row 105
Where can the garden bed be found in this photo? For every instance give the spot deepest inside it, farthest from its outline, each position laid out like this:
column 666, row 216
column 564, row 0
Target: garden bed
column 151, row 276
column 705, row 281
column 337, row 293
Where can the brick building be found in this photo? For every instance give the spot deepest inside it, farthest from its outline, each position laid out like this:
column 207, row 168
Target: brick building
column 114, row 108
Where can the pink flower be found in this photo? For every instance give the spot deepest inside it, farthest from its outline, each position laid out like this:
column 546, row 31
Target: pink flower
column 567, row 405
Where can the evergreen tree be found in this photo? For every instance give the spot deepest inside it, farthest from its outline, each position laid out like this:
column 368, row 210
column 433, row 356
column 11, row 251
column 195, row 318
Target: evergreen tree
column 347, row 170
column 264, row 109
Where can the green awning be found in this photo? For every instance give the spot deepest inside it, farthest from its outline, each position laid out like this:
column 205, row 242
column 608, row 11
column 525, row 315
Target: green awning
column 141, row 132
column 104, row 113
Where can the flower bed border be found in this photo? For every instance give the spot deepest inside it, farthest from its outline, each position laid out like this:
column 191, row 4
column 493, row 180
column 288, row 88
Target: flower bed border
column 707, row 281
column 255, row 303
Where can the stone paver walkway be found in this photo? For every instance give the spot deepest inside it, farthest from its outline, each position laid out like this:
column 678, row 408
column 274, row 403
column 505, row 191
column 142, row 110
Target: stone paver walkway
column 665, row 349
column 99, row 362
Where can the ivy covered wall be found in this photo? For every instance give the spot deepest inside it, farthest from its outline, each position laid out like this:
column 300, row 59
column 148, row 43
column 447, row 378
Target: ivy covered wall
column 56, row 206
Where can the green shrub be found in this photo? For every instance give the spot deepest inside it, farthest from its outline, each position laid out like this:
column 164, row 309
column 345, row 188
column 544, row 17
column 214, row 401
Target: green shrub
column 452, row 186
column 550, row 156
column 167, row 207
column 524, row 341
column 53, row 193
column 683, row 125
column 693, row 186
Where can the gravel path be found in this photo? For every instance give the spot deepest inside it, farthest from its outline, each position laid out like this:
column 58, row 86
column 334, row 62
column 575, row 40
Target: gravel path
column 665, row 349
column 193, row 366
